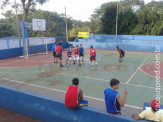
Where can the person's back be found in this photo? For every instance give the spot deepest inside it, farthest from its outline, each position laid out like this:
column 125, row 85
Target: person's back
column 74, row 96
column 112, row 104
column 112, row 98
column 59, row 50
column 71, row 99
column 92, row 52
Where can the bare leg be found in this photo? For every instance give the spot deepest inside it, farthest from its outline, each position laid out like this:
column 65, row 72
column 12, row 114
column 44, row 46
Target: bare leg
column 79, row 62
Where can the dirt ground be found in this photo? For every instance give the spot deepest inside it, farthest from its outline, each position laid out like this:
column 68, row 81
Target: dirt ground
column 8, row 116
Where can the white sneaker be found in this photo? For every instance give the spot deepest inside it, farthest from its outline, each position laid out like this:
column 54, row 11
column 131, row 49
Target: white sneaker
column 96, row 63
column 92, row 64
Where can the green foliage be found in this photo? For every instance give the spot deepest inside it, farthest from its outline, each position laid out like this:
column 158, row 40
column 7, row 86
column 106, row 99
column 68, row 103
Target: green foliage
column 134, row 17
column 79, row 26
column 55, row 24
column 7, row 29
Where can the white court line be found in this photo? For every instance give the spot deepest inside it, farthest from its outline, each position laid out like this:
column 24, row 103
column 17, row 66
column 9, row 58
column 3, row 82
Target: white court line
column 62, row 91
column 108, row 81
column 136, row 71
column 91, row 78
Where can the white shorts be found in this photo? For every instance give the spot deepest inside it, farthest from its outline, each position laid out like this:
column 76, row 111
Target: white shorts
column 76, row 57
column 69, row 58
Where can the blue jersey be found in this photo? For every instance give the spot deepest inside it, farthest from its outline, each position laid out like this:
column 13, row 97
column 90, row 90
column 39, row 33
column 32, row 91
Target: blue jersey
column 112, row 105
column 53, row 48
column 68, row 51
column 81, row 50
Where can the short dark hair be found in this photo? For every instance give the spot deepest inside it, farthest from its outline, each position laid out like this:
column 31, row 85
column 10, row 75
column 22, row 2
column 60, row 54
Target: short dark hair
column 80, row 44
column 91, row 46
column 70, row 45
column 75, row 81
column 117, row 46
column 114, row 82
column 77, row 45
column 59, row 43
column 55, row 42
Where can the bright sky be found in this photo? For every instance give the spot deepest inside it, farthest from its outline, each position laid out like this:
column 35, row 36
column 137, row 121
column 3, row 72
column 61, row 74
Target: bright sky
column 77, row 9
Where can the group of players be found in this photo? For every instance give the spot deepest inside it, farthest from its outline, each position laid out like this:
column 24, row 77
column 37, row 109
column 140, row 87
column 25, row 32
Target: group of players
column 74, row 55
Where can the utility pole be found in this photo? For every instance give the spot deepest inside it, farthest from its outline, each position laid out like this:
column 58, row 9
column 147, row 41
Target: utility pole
column 66, row 25
column 116, row 24
column 17, row 21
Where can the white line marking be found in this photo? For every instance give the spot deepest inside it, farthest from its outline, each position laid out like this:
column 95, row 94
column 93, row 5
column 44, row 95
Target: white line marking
column 136, row 71
column 107, row 80
column 88, row 78
column 62, row 91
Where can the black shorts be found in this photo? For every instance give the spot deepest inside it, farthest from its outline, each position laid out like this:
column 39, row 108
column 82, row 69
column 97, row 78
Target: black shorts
column 81, row 54
column 93, row 57
column 54, row 54
column 123, row 54
column 59, row 56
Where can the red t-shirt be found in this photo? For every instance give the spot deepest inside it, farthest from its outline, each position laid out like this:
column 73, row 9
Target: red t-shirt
column 59, row 50
column 76, row 51
column 92, row 52
column 71, row 99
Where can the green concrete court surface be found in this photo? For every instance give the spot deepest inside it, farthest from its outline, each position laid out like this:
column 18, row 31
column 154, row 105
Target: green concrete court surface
column 93, row 79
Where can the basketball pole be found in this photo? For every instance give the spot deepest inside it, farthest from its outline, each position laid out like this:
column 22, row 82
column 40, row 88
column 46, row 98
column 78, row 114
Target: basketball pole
column 116, row 24
column 17, row 22
column 66, row 25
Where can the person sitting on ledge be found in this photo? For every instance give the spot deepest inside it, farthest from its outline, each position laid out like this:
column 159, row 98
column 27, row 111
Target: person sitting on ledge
column 112, row 98
column 152, row 115
column 74, row 96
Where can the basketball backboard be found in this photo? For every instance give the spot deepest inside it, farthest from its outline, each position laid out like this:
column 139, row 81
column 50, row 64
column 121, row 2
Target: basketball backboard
column 38, row 25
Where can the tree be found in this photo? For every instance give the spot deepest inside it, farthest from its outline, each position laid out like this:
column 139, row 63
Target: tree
column 25, row 5
column 150, row 21
column 127, row 21
column 6, row 29
column 79, row 26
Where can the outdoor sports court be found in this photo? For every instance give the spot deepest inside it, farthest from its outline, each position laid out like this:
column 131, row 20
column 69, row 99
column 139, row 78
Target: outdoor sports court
column 136, row 74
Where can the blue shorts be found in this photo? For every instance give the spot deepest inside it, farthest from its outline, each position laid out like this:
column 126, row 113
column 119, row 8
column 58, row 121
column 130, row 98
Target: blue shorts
column 83, row 103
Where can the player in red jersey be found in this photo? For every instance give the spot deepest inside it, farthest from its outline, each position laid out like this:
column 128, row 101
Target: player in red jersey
column 69, row 55
column 76, row 56
column 92, row 55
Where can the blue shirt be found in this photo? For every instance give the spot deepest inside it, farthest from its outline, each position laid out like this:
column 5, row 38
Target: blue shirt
column 53, row 48
column 112, row 105
column 81, row 50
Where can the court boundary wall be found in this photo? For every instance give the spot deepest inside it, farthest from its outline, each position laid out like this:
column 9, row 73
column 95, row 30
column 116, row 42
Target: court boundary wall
column 48, row 109
column 11, row 49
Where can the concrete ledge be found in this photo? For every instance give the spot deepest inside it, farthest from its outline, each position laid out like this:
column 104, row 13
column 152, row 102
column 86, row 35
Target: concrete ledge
column 48, row 109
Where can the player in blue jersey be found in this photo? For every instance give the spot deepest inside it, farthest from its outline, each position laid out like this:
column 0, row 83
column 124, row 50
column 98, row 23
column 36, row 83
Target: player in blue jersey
column 112, row 98
column 54, row 52
column 81, row 52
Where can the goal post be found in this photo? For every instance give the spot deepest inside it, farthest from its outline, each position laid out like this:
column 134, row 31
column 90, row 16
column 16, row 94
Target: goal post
column 35, row 46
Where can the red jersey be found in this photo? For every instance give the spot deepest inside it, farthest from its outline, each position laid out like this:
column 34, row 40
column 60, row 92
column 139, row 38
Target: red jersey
column 92, row 52
column 71, row 99
column 58, row 48
column 76, row 51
